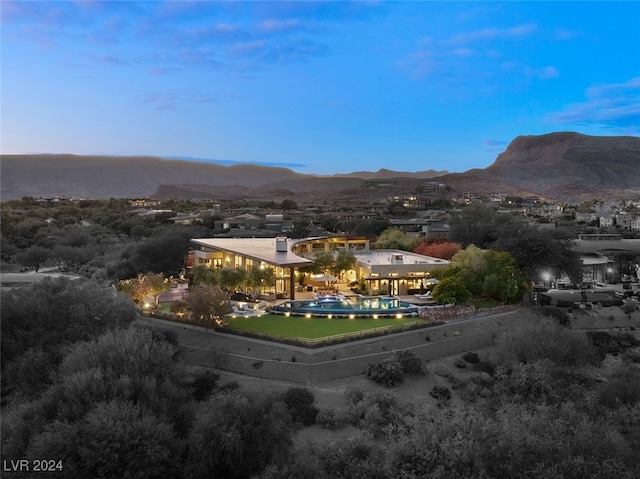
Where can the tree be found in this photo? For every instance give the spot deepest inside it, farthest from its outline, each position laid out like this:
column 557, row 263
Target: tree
column 126, row 366
column 344, row 260
column 503, row 280
column 116, row 438
column 45, row 318
column 323, row 262
column 146, row 286
column 288, row 204
column 394, row 238
column 233, row 278
column 260, row 277
column 207, row 303
column 33, row 257
column 236, row 437
column 537, row 250
column 451, row 291
column 437, row 248
column 202, row 274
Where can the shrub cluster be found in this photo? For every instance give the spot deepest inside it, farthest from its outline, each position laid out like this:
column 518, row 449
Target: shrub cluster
column 392, row 370
column 300, row 403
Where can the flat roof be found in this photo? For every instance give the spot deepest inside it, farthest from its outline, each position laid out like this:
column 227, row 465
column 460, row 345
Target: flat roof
column 387, row 257
column 260, row 249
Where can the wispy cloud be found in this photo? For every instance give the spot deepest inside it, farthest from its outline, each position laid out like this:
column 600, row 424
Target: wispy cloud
column 170, row 100
column 544, row 73
column 613, row 106
column 488, row 34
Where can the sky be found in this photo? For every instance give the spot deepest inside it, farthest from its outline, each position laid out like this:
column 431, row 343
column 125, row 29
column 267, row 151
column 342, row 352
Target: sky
column 318, row 87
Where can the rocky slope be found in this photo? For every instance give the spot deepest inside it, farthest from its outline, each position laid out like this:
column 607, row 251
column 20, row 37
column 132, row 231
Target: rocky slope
column 563, row 165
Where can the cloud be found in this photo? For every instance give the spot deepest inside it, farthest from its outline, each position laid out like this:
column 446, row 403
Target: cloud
column 286, row 51
column 170, row 100
column 488, row 34
column 278, row 25
column 613, row 105
column 544, row 73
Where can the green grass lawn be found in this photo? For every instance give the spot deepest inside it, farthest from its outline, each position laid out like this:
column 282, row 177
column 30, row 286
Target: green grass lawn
column 310, row 328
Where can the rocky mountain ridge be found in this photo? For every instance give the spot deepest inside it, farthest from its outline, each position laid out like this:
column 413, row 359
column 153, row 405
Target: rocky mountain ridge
column 563, row 166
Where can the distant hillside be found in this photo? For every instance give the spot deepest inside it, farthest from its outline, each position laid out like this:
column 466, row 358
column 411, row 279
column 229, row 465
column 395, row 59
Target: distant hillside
column 141, row 176
column 562, row 165
column 121, row 177
column 390, row 174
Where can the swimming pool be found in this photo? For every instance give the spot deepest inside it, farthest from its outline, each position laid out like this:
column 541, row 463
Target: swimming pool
column 348, row 307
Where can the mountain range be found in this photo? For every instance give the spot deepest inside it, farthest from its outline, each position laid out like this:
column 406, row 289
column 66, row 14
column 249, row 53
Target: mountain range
column 561, row 166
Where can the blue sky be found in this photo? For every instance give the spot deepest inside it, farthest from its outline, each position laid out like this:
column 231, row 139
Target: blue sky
column 329, row 87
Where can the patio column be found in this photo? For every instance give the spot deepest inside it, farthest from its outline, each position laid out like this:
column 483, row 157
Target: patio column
column 292, row 283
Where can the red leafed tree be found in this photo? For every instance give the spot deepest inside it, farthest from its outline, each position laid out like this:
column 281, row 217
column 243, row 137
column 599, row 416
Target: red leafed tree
column 438, row 248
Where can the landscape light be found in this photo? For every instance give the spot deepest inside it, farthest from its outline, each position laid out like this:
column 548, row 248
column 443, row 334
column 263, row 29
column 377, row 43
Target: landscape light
column 352, row 316
column 308, row 315
column 287, row 314
column 399, row 316
column 375, row 316
column 329, row 316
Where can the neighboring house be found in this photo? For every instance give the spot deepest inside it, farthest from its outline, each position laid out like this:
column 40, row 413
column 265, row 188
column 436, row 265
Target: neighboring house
column 606, row 221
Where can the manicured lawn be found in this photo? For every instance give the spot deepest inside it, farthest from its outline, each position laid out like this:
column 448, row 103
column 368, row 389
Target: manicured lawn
column 310, row 328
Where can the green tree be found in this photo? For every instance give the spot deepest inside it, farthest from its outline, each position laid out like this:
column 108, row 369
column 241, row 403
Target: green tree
column 34, row 257
column 260, row 278
column 236, row 437
column 394, row 238
column 116, row 438
column 202, row 274
column 503, row 280
column 233, row 278
column 146, row 286
column 45, row 318
column 344, row 260
column 451, row 290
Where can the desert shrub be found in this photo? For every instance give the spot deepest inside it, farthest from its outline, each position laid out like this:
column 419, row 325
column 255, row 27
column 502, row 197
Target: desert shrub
column 204, row 385
column 300, row 403
column 607, row 303
column 560, row 316
column 485, row 367
column 629, row 308
column 410, row 362
column 609, row 343
column 353, row 395
column 332, row 419
column 460, row 363
column 442, row 371
column 387, row 372
column 471, row 358
column 441, row 393
column 355, row 458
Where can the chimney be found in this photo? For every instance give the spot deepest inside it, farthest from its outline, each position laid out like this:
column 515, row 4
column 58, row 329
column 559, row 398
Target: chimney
column 281, row 244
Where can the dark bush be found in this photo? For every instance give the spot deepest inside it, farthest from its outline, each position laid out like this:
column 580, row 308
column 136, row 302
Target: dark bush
column 204, row 385
column 471, row 358
column 441, row 393
column 387, row 372
column 559, row 315
column 608, row 343
column 300, row 403
column 410, row 362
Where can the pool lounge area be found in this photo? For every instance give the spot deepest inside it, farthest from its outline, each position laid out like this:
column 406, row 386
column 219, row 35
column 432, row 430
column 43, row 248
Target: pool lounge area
column 349, row 306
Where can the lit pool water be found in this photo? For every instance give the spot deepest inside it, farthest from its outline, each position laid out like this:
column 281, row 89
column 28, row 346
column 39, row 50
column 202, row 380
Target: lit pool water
column 351, row 306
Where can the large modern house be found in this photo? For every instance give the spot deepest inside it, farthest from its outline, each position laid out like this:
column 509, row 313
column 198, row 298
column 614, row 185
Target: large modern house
column 381, row 271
